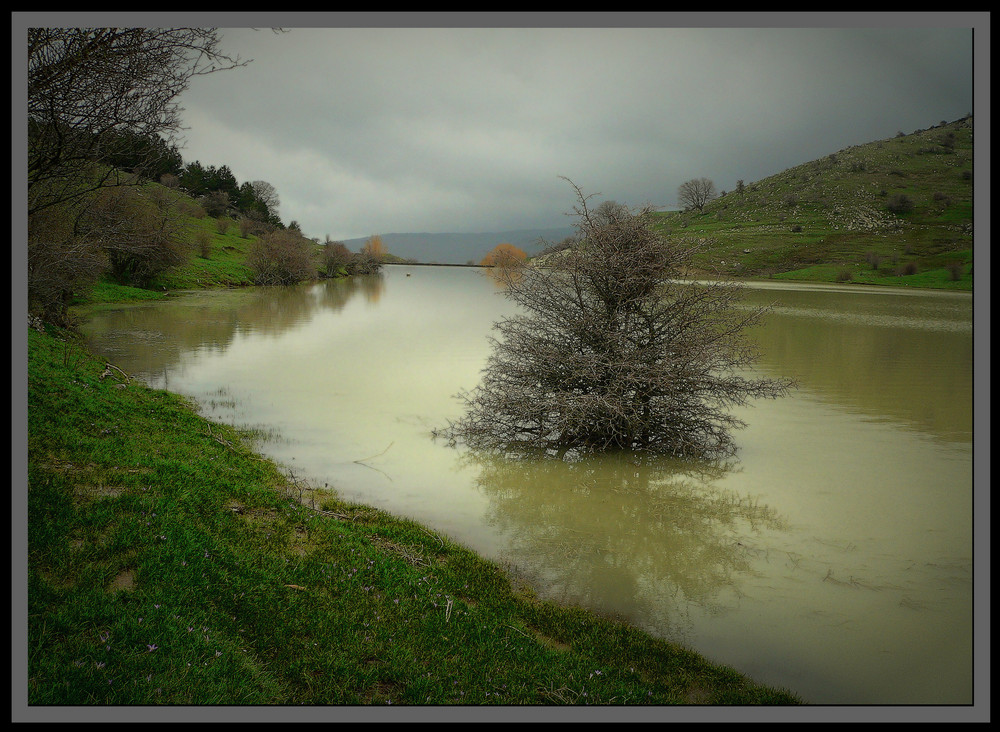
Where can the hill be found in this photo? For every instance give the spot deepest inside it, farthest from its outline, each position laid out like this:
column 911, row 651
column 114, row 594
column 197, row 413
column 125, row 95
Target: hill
column 894, row 211
column 456, row 248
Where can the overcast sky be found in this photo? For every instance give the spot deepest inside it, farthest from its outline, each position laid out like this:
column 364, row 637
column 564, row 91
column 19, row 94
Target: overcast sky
column 459, row 129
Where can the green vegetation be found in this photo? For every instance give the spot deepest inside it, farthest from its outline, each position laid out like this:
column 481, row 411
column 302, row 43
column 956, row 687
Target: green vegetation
column 218, row 260
column 891, row 212
column 168, row 563
column 218, row 252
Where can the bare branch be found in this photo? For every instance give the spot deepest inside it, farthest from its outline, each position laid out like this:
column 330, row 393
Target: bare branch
column 613, row 350
column 90, row 87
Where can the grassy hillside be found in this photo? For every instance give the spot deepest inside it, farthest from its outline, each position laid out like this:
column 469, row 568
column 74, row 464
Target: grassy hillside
column 895, row 211
column 216, row 254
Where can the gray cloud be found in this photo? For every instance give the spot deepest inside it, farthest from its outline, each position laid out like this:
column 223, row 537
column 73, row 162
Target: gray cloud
column 382, row 130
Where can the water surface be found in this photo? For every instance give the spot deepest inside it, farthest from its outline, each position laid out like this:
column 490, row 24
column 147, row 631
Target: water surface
column 832, row 556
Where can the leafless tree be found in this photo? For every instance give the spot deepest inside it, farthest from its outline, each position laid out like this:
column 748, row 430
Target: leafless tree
column 335, row 258
column 612, row 350
column 60, row 264
column 88, row 88
column 695, row 193
column 139, row 238
column 267, row 194
column 282, row 257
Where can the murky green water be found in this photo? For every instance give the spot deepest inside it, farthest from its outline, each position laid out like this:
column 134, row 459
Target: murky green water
column 832, row 557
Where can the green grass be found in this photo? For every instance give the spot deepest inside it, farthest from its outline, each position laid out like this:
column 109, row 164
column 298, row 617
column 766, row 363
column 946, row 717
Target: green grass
column 225, row 265
column 941, row 278
column 821, row 219
column 168, row 563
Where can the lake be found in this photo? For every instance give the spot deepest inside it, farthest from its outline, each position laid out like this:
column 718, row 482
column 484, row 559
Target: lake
column 832, row 556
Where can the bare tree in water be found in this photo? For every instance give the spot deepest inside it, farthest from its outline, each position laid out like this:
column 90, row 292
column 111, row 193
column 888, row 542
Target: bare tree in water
column 613, row 350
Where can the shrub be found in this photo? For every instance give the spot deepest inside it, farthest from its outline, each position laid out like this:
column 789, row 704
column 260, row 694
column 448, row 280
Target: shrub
column 204, row 242
column 250, row 226
column 192, row 209
column 162, row 198
column 281, row 257
column 504, row 255
column 222, row 224
column 364, row 263
column 942, row 198
column 613, row 352
column 61, row 264
column 336, row 257
column 215, row 203
column 899, row 203
column 874, row 259
column 374, row 247
column 140, row 239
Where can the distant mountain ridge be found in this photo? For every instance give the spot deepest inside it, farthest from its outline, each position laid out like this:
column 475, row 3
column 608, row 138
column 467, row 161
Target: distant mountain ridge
column 457, row 248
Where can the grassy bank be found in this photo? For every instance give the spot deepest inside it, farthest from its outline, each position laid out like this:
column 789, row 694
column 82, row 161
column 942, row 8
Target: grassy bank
column 168, row 563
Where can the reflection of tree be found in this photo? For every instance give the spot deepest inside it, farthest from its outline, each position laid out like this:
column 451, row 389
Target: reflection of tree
column 154, row 337
column 274, row 310
column 371, row 286
column 501, row 274
column 646, row 538
column 335, row 294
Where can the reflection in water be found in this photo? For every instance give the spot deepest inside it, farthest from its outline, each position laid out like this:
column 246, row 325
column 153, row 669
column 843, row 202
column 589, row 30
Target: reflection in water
column 833, row 557
column 152, row 338
column 500, row 275
column 612, row 532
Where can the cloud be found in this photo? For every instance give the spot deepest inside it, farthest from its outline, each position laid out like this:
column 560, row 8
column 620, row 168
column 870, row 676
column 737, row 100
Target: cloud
column 381, row 130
